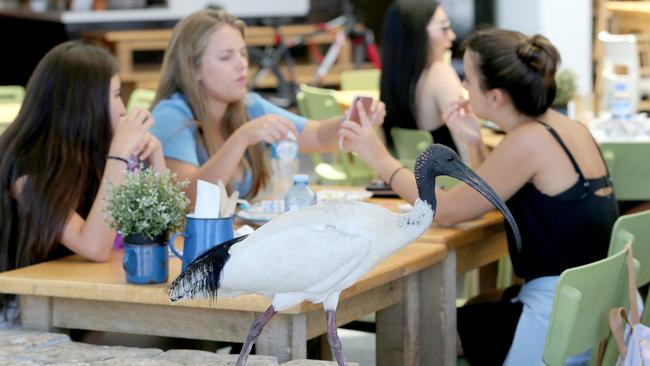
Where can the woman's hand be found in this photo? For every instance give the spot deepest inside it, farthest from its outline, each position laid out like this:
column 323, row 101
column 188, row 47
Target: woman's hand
column 361, row 139
column 377, row 112
column 462, row 122
column 130, row 133
column 150, row 149
column 268, row 128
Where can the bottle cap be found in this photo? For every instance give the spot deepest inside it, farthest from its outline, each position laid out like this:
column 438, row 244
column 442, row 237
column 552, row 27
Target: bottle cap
column 301, row 178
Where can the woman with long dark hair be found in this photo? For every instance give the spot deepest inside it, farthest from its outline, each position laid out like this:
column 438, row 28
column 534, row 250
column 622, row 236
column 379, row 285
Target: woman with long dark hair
column 547, row 168
column 417, row 84
column 69, row 139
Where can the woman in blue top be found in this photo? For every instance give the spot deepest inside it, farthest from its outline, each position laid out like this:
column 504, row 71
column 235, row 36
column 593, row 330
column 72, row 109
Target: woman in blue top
column 208, row 124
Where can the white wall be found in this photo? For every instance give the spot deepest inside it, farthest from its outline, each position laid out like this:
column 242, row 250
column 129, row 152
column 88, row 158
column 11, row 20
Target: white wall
column 566, row 23
column 246, row 8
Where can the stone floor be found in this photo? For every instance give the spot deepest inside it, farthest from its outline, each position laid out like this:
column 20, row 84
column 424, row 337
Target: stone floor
column 24, row 348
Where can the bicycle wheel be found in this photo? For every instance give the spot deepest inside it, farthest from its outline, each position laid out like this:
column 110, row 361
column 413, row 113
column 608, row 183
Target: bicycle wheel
column 264, row 65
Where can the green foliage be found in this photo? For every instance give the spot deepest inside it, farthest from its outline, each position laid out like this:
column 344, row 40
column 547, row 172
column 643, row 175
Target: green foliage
column 146, row 203
column 565, row 81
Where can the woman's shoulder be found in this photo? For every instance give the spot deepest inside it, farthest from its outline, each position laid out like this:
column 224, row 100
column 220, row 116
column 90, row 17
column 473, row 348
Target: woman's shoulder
column 441, row 77
column 175, row 103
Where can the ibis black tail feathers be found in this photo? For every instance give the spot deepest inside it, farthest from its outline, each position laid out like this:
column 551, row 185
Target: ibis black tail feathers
column 201, row 277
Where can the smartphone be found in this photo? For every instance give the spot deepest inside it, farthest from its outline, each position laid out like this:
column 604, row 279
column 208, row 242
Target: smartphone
column 353, row 112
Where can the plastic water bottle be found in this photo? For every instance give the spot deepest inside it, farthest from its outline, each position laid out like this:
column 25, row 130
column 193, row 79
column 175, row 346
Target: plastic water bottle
column 284, row 163
column 300, row 195
column 620, row 104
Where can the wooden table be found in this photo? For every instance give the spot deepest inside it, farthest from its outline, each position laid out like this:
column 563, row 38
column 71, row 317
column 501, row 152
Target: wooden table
column 75, row 293
column 470, row 245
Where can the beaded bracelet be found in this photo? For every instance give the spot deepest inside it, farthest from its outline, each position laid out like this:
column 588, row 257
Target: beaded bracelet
column 390, row 180
column 117, row 158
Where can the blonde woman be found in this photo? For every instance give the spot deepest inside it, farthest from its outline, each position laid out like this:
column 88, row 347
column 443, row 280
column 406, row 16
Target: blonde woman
column 210, row 127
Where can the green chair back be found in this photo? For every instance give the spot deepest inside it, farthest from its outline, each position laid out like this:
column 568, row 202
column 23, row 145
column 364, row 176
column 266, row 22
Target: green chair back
column 319, row 104
column 636, row 227
column 628, row 168
column 326, row 173
column 141, row 98
column 367, row 79
column 11, row 94
column 583, row 297
column 409, row 143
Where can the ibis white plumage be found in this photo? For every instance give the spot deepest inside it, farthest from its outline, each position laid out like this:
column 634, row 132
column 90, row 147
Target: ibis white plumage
column 315, row 253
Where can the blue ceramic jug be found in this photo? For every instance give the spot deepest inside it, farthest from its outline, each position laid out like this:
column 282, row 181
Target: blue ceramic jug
column 200, row 235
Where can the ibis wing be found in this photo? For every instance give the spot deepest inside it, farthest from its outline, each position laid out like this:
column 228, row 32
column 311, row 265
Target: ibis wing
column 306, row 258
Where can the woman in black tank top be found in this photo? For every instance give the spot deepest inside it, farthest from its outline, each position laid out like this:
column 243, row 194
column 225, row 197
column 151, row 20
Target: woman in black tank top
column 548, row 169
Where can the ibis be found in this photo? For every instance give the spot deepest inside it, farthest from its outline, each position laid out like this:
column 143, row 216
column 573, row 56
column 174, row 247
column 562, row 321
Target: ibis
column 314, row 253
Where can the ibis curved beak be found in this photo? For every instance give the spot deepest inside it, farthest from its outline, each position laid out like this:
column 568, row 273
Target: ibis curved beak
column 457, row 169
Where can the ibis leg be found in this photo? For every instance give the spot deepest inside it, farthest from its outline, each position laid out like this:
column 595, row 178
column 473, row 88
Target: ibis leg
column 333, row 338
column 256, row 329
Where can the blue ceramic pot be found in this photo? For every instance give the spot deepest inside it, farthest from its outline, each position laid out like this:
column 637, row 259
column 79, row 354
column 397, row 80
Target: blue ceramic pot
column 145, row 260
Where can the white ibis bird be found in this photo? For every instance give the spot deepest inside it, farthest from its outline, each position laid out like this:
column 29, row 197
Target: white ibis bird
column 315, row 253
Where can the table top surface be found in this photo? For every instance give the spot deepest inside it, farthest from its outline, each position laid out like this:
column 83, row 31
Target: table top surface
column 75, row 277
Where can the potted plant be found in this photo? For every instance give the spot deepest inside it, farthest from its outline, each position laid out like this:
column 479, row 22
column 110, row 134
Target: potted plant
column 565, row 82
column 144, row 209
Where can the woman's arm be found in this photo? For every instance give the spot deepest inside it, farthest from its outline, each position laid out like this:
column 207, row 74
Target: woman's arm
column 513, row 163
column 222, row 165
column 324, row 135
column 91, row 238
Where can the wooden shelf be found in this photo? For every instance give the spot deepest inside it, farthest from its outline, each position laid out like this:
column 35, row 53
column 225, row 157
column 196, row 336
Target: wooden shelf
column 125, row 44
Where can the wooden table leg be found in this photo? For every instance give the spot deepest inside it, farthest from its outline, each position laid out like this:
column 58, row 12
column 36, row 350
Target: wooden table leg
column 284, row 337
column 438, row 313
column 36, row 313
column 421, row 329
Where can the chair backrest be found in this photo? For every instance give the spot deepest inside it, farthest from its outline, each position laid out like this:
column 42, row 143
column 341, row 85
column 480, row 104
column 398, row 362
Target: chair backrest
column 635, row 227
column 410, row 143
column 141, row 98
column 366, row 79
column 583, row 297
column 620, row 53
column 628, row 168
column 318, row 103
column 11, row 94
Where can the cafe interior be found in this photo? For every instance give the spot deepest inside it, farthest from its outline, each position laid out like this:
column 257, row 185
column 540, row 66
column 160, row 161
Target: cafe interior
column 177, row 176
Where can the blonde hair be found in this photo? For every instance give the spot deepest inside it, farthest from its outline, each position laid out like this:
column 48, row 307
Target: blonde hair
column 179, row 73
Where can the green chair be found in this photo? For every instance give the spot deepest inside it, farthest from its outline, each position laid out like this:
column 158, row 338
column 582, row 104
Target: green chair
column 366, row 79
column 319, row 104
column 637, row 227
column 141, row 98
column 583, row 297
column 628, row 168
column 11, row 94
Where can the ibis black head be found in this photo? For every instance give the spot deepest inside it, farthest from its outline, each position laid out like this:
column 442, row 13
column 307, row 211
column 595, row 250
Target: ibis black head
column 441, row 160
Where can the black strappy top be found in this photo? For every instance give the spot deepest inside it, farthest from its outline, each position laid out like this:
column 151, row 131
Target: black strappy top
column 562, row 231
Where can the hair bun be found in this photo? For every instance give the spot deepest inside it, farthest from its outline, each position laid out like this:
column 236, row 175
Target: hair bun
column 538, row 53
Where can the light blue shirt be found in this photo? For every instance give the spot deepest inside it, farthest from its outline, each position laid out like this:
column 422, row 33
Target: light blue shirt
column 175, row 127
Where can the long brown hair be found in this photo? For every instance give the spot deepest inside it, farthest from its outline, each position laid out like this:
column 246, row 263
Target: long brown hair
column 53, row 154
column 180, row 67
